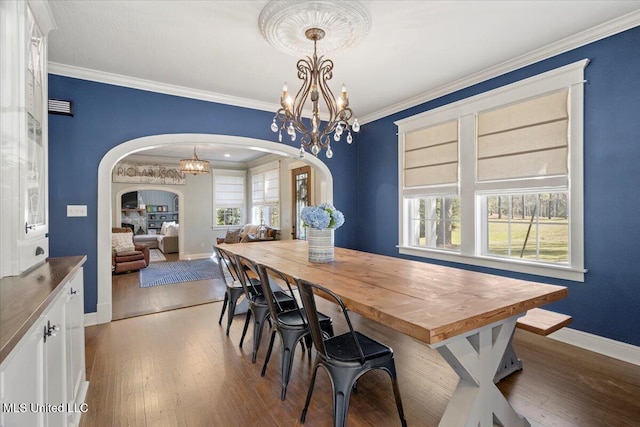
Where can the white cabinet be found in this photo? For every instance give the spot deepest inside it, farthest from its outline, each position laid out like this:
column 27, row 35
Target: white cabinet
column 21, row 379
column 42, row 381
column 76, row 384
column 23, row 140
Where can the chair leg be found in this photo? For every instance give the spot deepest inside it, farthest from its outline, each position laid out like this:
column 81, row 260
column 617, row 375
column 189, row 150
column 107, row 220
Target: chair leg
column 261, row 315
column 246, row 326
column 266, row 360
column 343, row 382
column 390, row 368
column 232, row 312
column 289, row 342
column 303, row 416
column 224, row 307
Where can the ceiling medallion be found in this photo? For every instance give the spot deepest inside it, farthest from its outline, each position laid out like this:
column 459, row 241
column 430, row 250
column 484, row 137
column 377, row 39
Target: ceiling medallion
column 283, row 24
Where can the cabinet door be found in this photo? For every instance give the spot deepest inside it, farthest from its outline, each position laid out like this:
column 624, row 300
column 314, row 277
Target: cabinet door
column 76, row 384
column 21, row 379
column 55, row 365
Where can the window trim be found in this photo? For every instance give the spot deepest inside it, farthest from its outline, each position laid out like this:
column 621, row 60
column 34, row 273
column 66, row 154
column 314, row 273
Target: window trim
column 465, row 110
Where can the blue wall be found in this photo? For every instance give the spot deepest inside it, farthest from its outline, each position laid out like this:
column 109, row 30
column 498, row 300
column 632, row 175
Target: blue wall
column 608, row 302
column 366, row 174
column 106, row 116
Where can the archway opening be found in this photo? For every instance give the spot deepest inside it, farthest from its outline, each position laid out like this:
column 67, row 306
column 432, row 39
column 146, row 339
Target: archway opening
column 323, row 178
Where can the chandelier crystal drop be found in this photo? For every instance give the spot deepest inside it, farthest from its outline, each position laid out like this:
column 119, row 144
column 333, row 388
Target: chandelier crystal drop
column 194, row 165
column 315, row 73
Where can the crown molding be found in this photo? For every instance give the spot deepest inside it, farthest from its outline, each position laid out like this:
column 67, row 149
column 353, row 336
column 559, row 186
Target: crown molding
column 599, row 32
column 158, row 87
column 591, row 35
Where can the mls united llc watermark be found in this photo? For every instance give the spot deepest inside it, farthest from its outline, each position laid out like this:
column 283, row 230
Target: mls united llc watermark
column 44, row 407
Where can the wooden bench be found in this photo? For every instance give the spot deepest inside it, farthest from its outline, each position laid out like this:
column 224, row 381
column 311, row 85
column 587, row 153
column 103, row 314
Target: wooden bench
column 538, row 321
column 543, row 322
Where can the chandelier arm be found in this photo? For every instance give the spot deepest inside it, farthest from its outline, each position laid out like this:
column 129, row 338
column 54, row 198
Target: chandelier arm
column 305, row 73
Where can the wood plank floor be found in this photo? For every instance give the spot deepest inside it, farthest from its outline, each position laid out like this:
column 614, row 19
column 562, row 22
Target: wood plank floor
column 130, row 300
column 177, row 368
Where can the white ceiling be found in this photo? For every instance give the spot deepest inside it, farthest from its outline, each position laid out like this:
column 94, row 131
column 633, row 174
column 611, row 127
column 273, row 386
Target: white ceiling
column 215, row 48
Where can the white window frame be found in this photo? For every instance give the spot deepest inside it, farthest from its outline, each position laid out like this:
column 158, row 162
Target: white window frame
column 235, row 173
column 570, row 76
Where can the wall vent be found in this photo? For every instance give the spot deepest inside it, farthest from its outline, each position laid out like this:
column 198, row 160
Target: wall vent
column 59, row 106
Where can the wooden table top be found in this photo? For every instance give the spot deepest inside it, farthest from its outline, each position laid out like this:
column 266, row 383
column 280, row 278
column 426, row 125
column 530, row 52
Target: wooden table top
column 24, row 298
column 425, row 301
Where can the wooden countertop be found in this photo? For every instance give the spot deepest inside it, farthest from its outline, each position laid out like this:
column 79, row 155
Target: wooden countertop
column 425, row 301
column 25, row 297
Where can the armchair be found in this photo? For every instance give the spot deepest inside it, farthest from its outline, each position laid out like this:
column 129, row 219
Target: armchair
column 125, row 255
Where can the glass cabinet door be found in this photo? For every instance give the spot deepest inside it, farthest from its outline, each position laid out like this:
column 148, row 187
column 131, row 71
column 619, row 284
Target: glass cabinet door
column 33, row 177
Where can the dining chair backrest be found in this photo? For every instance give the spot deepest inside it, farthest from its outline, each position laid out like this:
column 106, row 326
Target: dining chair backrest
column 270, row 275
column 245, row 266
column 227, row 266
column 307, row 290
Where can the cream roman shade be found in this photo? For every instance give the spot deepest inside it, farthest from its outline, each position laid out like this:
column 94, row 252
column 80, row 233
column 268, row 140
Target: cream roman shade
column 229, row 191
column 266, row 184
column 431, row 156
column 524, row 140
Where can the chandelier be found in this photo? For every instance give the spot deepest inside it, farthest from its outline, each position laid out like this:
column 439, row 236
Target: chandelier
column 315, row 73
column 194, row 165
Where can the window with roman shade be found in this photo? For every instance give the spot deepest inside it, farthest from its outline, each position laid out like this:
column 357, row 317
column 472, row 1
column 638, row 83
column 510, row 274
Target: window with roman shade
column 431, row 156
column 496, row 180
column 265, row 200
column 528, row 139
column 229, row 197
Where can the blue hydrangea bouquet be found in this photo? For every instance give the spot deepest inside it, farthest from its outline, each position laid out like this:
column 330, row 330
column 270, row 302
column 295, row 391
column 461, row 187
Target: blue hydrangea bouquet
column 322, row 217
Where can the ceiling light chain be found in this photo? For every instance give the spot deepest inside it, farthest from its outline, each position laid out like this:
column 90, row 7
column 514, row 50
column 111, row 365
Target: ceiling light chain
column 315, row 73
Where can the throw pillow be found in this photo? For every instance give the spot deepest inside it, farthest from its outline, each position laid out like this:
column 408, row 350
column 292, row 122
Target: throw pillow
column 172, row 230
column 122, row 242
column 232, row 236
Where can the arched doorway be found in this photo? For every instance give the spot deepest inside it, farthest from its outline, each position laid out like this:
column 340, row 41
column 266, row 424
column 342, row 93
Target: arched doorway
column 113, row 156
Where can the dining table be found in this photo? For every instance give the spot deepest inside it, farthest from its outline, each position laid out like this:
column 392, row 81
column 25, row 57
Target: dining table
column 467, row 316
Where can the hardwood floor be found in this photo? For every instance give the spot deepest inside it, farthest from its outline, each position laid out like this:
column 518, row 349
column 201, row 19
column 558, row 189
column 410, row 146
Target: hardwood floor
column 130, row 300
column 177, row 368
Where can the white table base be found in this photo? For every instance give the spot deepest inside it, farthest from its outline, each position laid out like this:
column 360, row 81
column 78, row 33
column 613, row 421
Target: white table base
column 476, row 356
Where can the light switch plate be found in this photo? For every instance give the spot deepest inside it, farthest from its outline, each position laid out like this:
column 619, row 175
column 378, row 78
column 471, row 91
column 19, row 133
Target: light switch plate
column 76, row 210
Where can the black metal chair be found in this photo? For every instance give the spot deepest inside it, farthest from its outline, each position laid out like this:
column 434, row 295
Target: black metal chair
column 345, row 357
column 234, row 288
column 290, row 324
column 258, row 306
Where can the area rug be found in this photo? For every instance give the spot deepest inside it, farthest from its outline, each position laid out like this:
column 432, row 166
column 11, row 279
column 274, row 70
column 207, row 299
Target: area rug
column 156, row 255
column 165, row 273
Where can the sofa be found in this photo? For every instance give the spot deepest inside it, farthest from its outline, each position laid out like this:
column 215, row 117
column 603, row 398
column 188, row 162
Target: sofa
column 249, row 233
column 166, row 240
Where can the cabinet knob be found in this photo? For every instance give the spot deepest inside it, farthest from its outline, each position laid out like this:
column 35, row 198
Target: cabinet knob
column 74, row 291
column 28, row 227
column 39, row 251
column 50, row 330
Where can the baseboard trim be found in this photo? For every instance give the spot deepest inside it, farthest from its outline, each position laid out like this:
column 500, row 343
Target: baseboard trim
column 90, row 319
column 190, row 257
column 605, row 346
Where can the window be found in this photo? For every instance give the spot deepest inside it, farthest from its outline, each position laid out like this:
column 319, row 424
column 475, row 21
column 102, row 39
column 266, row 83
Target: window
column 266, row 194
column 496, row 180
column 229, row 197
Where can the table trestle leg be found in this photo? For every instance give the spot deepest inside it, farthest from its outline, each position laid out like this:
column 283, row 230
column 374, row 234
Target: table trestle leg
column 475, row 357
